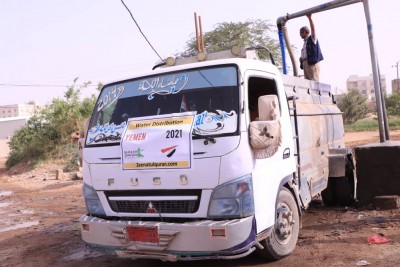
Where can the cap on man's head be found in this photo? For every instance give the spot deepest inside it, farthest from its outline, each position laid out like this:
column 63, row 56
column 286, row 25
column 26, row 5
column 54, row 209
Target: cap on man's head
column 305, row 29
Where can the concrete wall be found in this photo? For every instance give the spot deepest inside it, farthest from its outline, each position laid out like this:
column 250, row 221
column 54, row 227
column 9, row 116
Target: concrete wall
column 9, row 125
column 378, row 171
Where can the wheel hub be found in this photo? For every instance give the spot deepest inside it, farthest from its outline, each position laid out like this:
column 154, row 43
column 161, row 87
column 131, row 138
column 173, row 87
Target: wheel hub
column 284, row 222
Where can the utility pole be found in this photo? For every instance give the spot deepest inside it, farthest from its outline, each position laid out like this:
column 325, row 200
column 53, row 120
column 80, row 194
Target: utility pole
column 397, row 80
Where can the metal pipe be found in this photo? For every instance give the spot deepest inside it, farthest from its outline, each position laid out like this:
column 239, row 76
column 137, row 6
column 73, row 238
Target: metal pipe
column 197, row 32
column 374, row 62
column 201, row 36
column 282, row 45
column 323, row 7
column 385, row 118
column 290, row 50
column 397, row 81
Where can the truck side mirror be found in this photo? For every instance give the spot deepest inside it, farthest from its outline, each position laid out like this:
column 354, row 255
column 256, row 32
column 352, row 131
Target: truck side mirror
column 82, row 139
column 265, row 134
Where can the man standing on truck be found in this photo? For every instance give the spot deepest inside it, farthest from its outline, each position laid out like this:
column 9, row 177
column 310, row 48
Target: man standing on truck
column 311, row 53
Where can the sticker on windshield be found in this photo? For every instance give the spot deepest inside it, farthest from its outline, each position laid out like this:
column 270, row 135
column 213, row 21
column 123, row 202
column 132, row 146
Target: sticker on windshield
column 158, row 142
column 215, row 123
column 163, row 86
column 110, row 97
column 107, row 133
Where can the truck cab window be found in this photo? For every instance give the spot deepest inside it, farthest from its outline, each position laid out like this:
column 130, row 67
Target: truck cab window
column 258, row 87
column 212, row 93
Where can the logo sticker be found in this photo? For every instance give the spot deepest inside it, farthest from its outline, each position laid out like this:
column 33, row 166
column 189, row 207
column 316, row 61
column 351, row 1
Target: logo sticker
column 151, row 208
column 171, row 150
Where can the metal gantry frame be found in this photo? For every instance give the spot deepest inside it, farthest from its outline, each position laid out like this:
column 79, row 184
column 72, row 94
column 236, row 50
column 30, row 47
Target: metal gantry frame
column 283, row 38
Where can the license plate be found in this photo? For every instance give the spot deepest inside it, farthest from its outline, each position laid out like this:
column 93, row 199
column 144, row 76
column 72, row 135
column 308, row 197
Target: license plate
column 144, row 234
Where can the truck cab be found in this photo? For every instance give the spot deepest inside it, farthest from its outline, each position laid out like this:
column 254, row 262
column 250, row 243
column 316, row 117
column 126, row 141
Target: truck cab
column 220, row 187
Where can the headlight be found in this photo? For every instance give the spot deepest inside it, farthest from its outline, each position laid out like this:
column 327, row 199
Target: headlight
column 93, row 204
column 233, row 199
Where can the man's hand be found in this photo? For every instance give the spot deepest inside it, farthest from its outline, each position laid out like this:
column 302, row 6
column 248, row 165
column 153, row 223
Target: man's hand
column 313, row 34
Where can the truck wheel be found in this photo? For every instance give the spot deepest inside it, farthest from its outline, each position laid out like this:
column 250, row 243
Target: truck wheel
column 283, row 238
column 344, row 187
column 340, row 190
column 327, row 194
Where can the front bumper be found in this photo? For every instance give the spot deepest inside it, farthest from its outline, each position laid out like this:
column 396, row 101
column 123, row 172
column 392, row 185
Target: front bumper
column 177, row 241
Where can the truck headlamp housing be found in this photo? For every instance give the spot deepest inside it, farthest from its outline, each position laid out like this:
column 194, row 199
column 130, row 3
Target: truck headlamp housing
column 233, row 199
column 93, row 204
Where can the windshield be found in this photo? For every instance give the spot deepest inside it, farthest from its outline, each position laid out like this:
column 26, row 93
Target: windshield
column 211, row 92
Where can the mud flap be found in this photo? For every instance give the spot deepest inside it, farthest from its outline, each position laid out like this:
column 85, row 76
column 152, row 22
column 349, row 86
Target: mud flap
column 341, row 190
column 305, row 194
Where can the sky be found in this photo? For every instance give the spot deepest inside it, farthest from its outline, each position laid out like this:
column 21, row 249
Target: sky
column 46, row 44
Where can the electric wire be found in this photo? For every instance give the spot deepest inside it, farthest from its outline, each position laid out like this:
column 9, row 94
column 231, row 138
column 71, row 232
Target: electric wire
column 91, row 85
column 141, row 31
column 41, row 85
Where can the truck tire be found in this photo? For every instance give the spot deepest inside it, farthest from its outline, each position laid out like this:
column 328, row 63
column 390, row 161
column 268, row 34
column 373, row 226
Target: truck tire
column 283, row 238
column 345, row 186
column 327, row 194
column 340, row 190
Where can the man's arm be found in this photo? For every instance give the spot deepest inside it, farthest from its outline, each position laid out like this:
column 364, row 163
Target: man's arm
column 313, row 34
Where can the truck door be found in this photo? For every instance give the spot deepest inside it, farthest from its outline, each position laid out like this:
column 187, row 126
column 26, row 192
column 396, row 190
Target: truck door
column 277, row 165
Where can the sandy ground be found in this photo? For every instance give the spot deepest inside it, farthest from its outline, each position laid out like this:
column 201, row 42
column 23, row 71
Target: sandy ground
column 39, row 226
column 353, row 139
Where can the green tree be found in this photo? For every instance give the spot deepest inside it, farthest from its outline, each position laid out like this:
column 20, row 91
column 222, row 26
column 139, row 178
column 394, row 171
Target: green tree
column 353, row 105
column 32, row 141
column 48, row 133
column 393, row 104
column 66, row 114
column 228, row 34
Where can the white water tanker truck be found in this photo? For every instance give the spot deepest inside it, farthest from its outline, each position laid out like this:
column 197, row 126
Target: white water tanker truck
column 211, row 157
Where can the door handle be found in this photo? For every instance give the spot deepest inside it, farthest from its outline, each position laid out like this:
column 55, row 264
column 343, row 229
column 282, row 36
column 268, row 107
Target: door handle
column 286, row 153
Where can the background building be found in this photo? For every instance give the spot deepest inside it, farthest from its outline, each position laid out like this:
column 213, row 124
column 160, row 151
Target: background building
column 8, row 126
column 13, row 117
column 395, row 86
column 18, row 110
column 365, row 85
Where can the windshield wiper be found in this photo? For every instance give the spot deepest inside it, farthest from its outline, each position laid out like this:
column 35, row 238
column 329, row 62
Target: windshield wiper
column 206, row 138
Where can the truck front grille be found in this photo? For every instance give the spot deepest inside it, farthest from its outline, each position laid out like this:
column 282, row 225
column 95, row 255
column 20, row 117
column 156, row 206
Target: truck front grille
column 174, row 206
column 154, row 201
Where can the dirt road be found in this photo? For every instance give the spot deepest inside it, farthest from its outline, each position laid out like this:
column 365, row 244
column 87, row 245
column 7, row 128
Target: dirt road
column 39, row 227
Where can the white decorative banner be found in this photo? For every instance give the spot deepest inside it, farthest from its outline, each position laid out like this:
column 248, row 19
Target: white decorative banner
column 158, row 142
